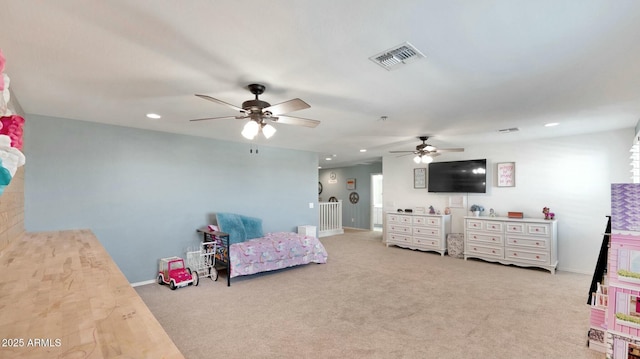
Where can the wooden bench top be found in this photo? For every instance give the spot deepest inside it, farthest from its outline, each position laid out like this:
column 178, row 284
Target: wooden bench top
column 61, row 295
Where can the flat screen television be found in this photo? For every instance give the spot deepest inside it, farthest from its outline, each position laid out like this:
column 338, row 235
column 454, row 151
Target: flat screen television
column 458, row 176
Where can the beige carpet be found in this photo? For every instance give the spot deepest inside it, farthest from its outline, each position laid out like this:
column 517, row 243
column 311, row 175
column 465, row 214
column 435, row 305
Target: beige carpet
column 370, row 301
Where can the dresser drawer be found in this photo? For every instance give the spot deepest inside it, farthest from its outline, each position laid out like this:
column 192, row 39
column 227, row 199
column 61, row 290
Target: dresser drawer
column 526, row 256
column 427, row 221
column 539, row 229
column 492, row 226
column 398, row 238
column 426, row 232
column 399, row 219
column 528, row 242
column 474, row 224
column 515, row 227
column 395, row 228
column 496, row 239
column 484, row 251
column 429, row 242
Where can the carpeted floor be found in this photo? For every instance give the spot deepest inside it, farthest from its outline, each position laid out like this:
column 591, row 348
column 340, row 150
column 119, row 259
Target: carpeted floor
column 370, row 301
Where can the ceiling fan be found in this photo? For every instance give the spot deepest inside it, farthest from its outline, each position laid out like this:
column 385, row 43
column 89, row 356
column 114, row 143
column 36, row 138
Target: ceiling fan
column 260, row 113
column 425, row 152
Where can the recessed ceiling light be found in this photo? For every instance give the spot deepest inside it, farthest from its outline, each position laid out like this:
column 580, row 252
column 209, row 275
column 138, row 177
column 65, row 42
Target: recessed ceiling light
column 551, row 124
column 363, row 150
column 319, row 167
column 154, row 116
column 328, row 158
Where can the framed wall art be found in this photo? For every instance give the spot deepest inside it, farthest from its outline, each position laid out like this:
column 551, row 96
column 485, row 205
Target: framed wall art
column 419, row 178
column 351, row 183
column 507, row 174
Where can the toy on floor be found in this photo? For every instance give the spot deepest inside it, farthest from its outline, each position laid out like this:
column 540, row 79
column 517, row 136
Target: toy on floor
column 171, row 271
column 202, row 261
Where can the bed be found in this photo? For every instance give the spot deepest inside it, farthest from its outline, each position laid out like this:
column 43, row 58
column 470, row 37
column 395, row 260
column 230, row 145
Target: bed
column 247, row 250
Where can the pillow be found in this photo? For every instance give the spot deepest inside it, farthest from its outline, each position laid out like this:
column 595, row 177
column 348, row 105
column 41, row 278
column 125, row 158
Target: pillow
column 252, row 227
column 231, row 223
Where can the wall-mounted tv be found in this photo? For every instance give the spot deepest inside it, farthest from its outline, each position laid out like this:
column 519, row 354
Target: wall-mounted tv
column 458, row 176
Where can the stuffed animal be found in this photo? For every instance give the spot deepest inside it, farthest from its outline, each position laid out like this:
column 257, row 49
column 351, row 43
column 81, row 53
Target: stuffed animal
column 547, row 213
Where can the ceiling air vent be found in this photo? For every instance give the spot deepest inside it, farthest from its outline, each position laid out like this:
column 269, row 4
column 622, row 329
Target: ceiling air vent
column 393, row 58
column 509, row 130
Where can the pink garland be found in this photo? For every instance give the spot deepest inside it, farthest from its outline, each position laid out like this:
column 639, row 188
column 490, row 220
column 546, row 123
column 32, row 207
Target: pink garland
column 12, row 127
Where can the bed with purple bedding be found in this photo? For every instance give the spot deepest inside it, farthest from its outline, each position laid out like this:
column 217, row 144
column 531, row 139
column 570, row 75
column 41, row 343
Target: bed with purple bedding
column 251, row 251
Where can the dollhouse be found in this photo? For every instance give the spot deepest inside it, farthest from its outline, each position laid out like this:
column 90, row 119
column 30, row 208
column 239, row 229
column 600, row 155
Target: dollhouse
column 615, row 305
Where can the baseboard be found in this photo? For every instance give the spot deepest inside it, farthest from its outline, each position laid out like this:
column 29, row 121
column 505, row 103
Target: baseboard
column 356, row 229
column 137, row 284
column 572, row 270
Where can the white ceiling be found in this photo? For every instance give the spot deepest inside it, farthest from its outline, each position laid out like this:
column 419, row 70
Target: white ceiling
column 489, row 65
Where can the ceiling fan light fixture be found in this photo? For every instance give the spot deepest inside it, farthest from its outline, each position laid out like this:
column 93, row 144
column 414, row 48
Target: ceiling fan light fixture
column 250, row 130
column 268, row 130
column 427, row 159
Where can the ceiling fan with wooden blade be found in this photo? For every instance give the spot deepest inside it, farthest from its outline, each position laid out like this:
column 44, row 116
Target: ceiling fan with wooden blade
column 425, row 152
column 260, row 113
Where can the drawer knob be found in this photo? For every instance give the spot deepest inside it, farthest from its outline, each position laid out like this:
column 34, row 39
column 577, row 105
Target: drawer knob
column 475, row 249
column 474, row 237
column 514, row 228
column 515, row 254
column 514, row 241
column 537, row 229
column 537, row 244
column 493, row 251
column 537, row 257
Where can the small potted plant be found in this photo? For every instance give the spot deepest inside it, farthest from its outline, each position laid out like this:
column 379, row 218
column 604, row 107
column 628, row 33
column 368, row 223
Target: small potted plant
column 476, row 209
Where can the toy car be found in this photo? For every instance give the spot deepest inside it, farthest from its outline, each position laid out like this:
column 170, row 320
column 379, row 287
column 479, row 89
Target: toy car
column 171, row 271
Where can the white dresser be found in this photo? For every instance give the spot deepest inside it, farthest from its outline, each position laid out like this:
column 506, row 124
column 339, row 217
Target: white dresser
column 425, row 232
column 526, row 242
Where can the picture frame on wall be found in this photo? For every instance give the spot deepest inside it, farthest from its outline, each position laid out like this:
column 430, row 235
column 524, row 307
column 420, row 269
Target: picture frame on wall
column 506, row 174
column 351, row 183
column 419, row 178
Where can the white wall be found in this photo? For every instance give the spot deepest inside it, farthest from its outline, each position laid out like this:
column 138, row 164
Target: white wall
column 571, row 175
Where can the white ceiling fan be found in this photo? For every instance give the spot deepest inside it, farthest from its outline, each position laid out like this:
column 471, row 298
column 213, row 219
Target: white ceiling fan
column 261, row 113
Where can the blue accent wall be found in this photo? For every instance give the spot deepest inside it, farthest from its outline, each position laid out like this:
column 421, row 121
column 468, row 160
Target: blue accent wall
column 144, row 193
column 354, row 215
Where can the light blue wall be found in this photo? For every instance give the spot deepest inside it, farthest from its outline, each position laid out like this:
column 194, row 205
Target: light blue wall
column 353, row 215
column 144, row 193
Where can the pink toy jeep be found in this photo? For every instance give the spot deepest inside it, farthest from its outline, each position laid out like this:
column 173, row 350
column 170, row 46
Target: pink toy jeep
column 171, row 271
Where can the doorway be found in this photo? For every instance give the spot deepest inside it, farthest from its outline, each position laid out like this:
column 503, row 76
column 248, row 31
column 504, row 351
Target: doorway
column 376, row 202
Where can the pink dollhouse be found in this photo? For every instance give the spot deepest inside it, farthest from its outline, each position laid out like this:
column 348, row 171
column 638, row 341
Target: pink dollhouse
column 618, row 298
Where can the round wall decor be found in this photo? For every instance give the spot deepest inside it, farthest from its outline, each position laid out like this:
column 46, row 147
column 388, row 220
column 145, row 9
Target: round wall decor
column 333, row 199
column 319, row 187
column 354, row 197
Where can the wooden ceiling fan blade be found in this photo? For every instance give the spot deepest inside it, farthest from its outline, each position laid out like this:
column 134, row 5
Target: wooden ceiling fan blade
column 298, row 121
column 402, row 151
column 221, row 102
column 218, row 118
column 287, row 106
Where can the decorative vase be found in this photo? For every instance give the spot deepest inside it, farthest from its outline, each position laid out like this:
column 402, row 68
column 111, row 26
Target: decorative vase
column 476, row 213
